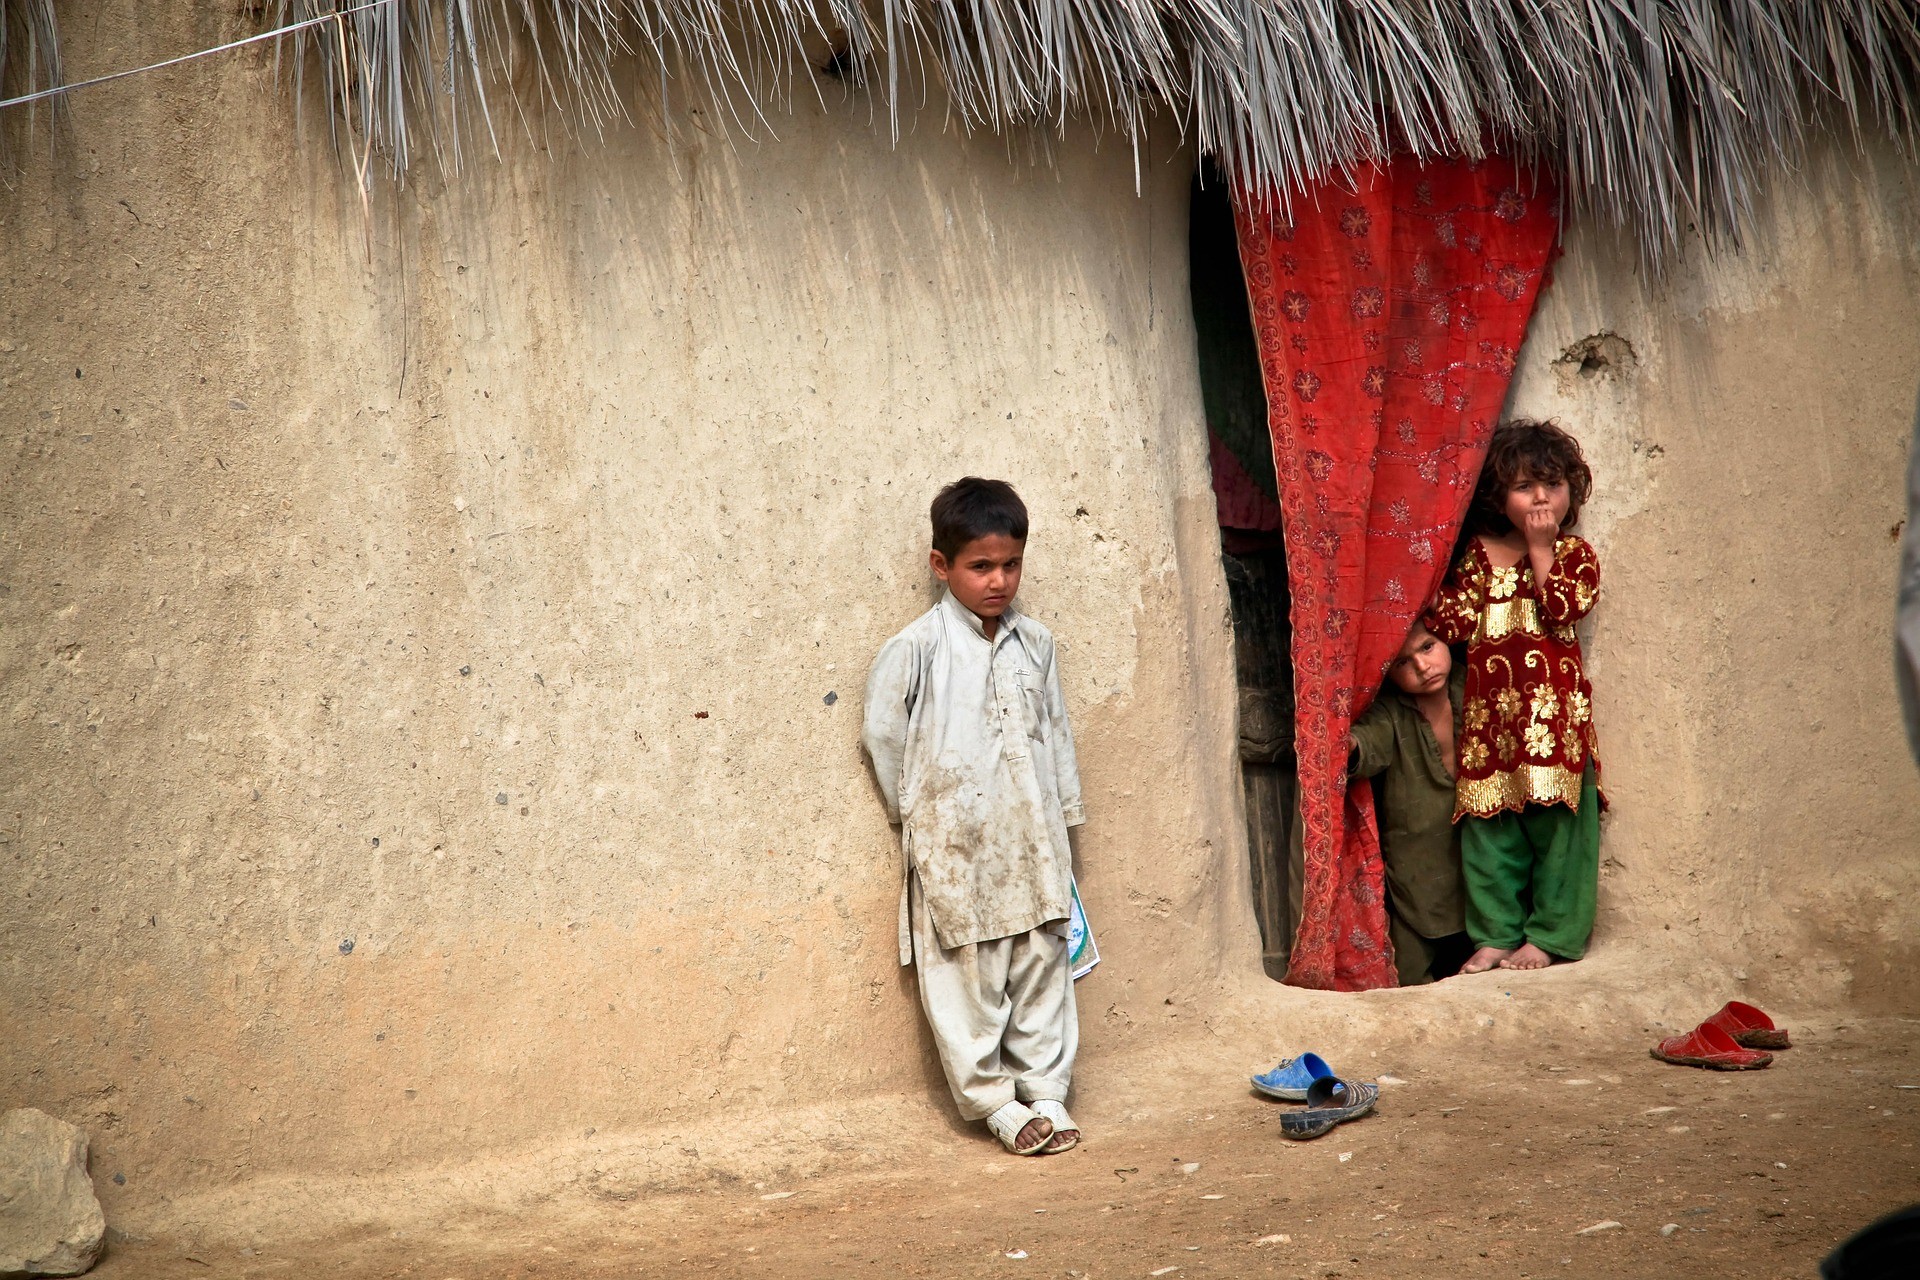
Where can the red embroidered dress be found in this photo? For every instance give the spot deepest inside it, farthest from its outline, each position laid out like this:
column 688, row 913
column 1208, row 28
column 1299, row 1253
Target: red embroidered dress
column 1526, row 726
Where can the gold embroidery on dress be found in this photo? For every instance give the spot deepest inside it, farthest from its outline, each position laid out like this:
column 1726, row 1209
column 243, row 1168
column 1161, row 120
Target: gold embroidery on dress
column 1534, row 705
column 1503, row 618
column 1518, row 788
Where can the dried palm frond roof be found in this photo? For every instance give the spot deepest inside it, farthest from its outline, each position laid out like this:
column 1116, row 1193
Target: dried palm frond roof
column 29, row 48
column 1659, row 115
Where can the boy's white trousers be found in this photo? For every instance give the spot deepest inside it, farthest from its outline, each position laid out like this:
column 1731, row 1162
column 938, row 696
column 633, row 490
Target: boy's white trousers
column 1001, row 1011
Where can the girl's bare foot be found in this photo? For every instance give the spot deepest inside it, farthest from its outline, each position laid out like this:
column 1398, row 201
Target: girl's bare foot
column 1527, row 957
column 1486, row 958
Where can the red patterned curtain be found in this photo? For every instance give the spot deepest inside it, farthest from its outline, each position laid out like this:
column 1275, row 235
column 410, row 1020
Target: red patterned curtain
column 1387, row 316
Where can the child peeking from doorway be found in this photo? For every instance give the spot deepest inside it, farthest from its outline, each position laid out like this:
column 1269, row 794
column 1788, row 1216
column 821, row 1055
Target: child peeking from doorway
column 1528, row 797
column 1408, row 743
column 1407, row 739
column 969, row 739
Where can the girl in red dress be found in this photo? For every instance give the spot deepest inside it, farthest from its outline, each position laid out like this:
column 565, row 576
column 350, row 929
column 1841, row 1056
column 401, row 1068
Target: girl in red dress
column 1528, row 797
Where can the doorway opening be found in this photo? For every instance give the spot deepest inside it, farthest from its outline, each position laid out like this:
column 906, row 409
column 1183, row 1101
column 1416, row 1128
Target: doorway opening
column 1252, row 551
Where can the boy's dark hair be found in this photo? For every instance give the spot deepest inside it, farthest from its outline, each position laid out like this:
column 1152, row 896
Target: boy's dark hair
column 1525, row 447
column 971, row 508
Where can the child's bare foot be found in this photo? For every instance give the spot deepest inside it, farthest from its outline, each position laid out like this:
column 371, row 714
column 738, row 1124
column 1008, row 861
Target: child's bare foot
column 1066, row 1134
column 1032, row 1134
column 1527, row 957
column 1486, row 958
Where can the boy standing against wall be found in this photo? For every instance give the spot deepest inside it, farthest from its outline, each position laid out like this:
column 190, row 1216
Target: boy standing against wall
column 969, row 740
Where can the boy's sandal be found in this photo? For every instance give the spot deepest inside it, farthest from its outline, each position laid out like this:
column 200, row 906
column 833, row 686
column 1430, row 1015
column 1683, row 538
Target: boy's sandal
column 1066, row 1134
column 1329, row 1102
column 1006, row 1124
column 1710, row 1047
column 1290, row 1080
column 1749, row 1027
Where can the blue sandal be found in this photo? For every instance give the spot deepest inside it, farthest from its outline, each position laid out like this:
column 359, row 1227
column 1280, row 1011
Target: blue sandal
column 1290, row 1080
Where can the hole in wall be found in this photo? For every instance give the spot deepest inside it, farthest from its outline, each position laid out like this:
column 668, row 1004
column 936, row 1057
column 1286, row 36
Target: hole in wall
column 840, row 64
column 1603, row 356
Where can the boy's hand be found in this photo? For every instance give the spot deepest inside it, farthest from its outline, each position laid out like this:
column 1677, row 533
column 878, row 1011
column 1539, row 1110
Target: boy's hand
column 1540, row 529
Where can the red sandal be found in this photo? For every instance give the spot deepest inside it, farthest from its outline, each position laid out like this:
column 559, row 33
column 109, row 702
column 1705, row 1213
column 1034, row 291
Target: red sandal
column 1750, row 1028
column 1710, row 1047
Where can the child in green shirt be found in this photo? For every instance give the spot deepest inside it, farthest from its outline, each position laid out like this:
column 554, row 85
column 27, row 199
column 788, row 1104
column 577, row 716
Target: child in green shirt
column 1406, row 741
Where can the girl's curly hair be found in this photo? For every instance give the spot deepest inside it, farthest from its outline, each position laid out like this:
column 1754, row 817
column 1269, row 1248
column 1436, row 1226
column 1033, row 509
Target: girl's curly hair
column 1525, row 447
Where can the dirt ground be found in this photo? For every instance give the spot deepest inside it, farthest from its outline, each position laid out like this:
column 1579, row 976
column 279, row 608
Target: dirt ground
column 1567, row 1161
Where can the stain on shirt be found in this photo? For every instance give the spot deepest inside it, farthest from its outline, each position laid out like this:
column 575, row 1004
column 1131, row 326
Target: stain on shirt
column 970, row 743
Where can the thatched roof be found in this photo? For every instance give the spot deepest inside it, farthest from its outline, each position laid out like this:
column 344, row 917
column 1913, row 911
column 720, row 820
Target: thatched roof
column 29, row 47
column 1658, row 115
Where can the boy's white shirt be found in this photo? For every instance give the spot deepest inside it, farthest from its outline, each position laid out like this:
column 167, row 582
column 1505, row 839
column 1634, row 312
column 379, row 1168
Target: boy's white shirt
column 970, row 743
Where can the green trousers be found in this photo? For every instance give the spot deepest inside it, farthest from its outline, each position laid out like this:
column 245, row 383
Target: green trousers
column 1533, row 876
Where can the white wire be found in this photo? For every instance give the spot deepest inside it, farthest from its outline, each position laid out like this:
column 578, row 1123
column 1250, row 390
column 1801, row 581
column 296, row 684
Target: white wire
column 189, row 57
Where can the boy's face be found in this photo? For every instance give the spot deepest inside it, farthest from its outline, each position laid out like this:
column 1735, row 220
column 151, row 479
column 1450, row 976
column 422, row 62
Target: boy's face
column 1423, row 665
column 984, row 575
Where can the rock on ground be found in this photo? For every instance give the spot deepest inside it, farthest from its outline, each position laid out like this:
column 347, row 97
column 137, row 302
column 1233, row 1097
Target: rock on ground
column 50, row 1222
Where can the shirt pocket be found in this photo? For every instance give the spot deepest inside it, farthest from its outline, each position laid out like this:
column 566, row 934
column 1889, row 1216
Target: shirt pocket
column 1033, row 703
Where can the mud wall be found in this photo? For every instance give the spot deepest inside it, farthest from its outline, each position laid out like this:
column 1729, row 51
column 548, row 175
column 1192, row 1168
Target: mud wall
column 1748, row 421
column 434, row 633
column 435, row 637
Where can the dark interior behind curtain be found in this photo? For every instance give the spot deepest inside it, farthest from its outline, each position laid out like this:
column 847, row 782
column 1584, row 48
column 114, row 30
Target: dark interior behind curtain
column 1247, row 503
